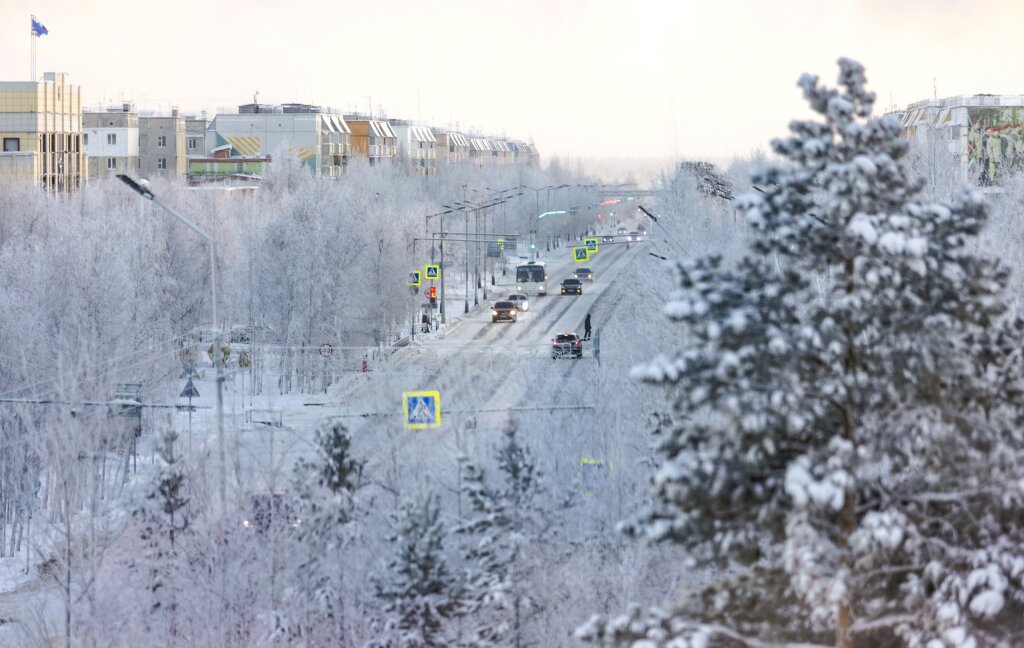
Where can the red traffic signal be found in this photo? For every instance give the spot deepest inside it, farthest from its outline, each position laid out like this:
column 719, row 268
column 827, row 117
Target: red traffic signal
column 433, row 294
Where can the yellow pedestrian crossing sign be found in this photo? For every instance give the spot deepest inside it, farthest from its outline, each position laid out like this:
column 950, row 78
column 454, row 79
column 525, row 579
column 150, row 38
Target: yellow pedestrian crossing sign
column 591, row 244
column 414, row 278
column 432, row 272
column 421, row 409
column 581, row 254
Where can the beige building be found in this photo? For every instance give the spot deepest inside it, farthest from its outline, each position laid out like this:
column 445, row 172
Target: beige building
column 195, row 136
column 41, row 132
column 111, row 141
column 163, row 149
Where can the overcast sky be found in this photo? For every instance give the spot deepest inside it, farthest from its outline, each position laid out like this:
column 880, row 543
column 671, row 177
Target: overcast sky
column 582, row 78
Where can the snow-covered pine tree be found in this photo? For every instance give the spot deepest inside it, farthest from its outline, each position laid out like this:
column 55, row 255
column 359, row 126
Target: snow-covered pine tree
column 163, row 517
column 501, row 522
column 849, row 398
column 421, row 595
column 326, row 488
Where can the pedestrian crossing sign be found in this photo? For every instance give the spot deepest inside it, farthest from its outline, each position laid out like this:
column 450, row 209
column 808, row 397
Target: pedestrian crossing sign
column 581, row 254
column 414, row 278
column 432, row 272
column 591, row 244
column 421, row 409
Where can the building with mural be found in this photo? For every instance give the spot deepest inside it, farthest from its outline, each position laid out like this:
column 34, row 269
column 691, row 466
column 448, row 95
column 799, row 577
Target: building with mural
column 984, row 133
column 316, row 137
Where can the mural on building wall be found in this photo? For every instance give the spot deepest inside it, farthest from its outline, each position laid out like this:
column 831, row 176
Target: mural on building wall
column 995, row 143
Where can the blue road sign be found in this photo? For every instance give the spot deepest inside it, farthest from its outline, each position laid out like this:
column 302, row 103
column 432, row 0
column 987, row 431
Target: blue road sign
column 432, row 272
column 421, row 409
column 581, row 254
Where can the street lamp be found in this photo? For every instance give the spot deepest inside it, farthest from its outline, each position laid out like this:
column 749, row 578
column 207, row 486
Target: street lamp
column 146, row 193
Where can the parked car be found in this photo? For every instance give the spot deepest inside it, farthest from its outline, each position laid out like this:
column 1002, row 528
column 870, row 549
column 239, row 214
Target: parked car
column 522, row 302
column 566, row 345
column 584, row 274
column 503, row 310
column 572, row 286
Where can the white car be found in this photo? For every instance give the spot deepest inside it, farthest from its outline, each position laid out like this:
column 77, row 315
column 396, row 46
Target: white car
column 521, row 302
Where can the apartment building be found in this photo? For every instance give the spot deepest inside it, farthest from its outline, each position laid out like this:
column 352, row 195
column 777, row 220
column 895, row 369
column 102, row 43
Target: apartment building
column 41, row 132
column 111, row 141
column 317, row 138
column 372, row 139
column 451, row 147
column 416, row 146
column 162, row 147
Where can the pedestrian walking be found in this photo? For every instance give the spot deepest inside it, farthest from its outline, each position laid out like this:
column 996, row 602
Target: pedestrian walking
column 586, row 327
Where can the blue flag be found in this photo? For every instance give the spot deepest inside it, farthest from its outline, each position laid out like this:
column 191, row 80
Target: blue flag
column 38, row 29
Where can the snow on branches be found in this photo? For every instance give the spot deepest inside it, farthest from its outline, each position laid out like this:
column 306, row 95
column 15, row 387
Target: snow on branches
column 849, row 399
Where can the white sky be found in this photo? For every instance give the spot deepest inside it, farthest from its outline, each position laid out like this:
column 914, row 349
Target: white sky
column 583, row 78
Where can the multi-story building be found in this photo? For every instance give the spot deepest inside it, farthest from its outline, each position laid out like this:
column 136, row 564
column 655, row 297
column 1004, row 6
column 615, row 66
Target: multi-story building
column 984, row 134
column 195, row 136
column 162, row 148
column 416, row 146
column 452, row 147
column 41, row 132
column 372, row 139
column 318, row 138
column 111, row 141
column 480, row 152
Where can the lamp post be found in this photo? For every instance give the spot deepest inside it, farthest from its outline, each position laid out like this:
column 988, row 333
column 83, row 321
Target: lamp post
column 146, row 193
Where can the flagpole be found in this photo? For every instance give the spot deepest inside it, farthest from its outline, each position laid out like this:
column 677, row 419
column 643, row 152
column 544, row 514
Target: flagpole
column 32, row 35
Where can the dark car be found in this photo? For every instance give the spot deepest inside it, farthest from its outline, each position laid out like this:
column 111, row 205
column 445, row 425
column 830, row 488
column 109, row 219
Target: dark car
column 622, row 231
column 566, row 345
column 270, row 511
column 504, row 310
column 607, row 238
column 634, row 236
column 584, row 274
column 572, row 286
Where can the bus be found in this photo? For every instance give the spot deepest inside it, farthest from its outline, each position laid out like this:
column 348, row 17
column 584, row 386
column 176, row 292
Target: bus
column 532, row 278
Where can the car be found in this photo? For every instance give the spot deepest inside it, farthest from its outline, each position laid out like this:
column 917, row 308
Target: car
column 642, row 229
column 634, row 236
column 566, row 345
column 503, row 310
column 522, row 302
column 584, row 274
column 270, row 511
column 607, row 238
column 622, row 231
column 572, row 286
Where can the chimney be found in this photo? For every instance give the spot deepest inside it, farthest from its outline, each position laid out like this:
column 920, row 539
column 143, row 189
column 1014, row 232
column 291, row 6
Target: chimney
column 174, row 111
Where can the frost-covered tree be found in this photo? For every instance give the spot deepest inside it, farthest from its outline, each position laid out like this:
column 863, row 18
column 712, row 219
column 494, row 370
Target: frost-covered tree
column 421, row 594
column 326, row 488
column 848, row 399
column 502, row 523
column 163, row 517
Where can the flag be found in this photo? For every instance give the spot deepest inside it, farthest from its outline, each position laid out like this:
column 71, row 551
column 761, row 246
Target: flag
column 38, row 29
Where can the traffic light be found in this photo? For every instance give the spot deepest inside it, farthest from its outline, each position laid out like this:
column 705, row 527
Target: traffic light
column 433, row 294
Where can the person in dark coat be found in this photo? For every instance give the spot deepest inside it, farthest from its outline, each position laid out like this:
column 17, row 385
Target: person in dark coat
column 586, row 327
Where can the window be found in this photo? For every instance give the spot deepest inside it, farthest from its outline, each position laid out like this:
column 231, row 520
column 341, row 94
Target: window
column 191, row 143
column 111, row 164
column 85, row 139
column 111, row 138
column 161, row 141
column 161, row 163
column 12, row 144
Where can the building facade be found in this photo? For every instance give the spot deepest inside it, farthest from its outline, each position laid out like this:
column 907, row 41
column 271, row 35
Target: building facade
column 41, row 132
column 195, row 136
column 318, row 139
column 372, row 139
column 111, row 141
column 451, row 147
column 162, row 146
column 417, row 147
column 984, row 134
